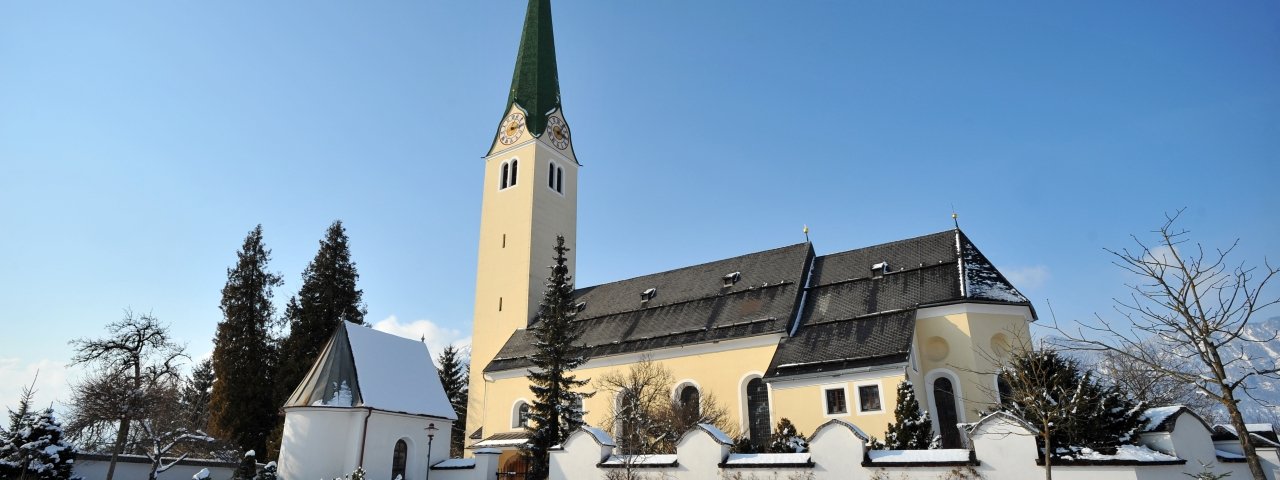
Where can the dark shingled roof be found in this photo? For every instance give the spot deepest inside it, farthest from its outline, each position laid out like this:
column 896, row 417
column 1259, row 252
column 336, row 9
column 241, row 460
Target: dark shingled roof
column 690, row 306
column 851, row 316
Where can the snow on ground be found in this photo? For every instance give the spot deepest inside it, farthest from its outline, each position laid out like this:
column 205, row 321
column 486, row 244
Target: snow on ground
column 922, row 456
column 767, row 458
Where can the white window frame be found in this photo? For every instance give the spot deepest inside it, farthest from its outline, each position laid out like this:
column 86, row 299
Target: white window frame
column 515, row 413
column 826, row 410
column 879, row 393
column 509, row 179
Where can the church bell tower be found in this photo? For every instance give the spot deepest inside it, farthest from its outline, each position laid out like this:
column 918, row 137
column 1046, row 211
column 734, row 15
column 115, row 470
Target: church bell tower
column 530, row 197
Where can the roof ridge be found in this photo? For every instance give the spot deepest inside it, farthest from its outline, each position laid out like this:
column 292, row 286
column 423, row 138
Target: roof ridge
column 690, row 300
column 690, row 267
column 895, row 242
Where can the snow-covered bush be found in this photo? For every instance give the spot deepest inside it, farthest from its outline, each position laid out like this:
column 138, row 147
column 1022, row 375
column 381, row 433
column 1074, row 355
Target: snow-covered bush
column 787, row 439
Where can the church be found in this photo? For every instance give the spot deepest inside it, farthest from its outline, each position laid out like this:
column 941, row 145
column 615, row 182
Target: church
column 782, row 333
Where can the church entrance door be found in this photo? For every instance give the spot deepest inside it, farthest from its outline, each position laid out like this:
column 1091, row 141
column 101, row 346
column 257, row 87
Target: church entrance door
column 514, row 469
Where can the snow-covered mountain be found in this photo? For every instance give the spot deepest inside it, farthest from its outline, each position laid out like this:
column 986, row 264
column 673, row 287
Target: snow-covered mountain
column 1264, row 406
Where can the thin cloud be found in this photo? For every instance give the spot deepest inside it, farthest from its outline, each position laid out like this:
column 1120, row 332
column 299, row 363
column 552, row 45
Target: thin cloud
column 436, row 336
column 51, row 385
column 1028, row 278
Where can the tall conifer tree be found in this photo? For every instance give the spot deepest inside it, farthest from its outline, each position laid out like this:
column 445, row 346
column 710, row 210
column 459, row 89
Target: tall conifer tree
column 911, row 429
column 454, row 372
column 327, row 298
column 553, row 414
column 242, row 407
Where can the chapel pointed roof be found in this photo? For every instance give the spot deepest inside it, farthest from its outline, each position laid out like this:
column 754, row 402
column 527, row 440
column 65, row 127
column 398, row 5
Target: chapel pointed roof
column 535, row 85
column 363, row 368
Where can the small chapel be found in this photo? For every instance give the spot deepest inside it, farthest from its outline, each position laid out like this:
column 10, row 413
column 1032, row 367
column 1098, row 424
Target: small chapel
column 781, row 333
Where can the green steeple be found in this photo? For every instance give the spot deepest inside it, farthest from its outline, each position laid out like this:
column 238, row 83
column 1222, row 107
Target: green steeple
column 535, row 86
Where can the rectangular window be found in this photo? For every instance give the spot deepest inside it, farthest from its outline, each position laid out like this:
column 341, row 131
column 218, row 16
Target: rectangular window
column 835, row 402
column 869, row 398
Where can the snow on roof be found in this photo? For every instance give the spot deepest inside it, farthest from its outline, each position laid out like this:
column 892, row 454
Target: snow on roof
column 603, row 438
column 396, row 374
column 716, row 433
column 1228, row 455
column 919, row 456
column 640, row 460
column 767, row 458
column 1258, row 427
column 1157, row 416
column 497, row 443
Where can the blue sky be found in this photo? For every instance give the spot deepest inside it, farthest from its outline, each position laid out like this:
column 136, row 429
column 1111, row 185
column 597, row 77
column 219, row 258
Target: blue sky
column 140, row 141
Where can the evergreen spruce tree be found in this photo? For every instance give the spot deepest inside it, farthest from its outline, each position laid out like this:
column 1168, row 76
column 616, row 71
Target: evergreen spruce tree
column 552, row 414
column 454, row 372
column 269, row 472
column 248, row 467
column 35, row 449
column 195, row 395
column 787, row 439
column 327, row 298
column 911, row 428
column 10, row 439
column 242, row 407
column 1051, row 392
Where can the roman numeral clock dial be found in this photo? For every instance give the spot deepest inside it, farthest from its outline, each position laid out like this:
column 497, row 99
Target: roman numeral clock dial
column 512, row 128
column 559, row 132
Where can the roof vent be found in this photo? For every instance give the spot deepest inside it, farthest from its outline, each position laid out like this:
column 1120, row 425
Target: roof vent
column 647, row 295
column 580, row 306
column 731, row 279
column 879, row 269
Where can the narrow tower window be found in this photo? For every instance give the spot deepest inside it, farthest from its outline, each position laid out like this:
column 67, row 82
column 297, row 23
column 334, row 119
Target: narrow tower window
column 551, row 175
column 506, row 168
column 559, row 180
column 513, row 173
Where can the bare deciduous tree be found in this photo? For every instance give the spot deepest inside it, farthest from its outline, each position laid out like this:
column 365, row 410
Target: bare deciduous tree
column 136, row 357
column 1195, row 305
column 646, row 419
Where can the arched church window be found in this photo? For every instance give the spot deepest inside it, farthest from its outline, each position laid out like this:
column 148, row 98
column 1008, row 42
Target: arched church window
column 690, row 402
column 945, row 398
column 551, row 175
column 514, row 164
column 506, row 171
column 399, row 458
column 628, row 414
column 758, row 411
column 1003, row 389
column 559, row 180
column 520, row 416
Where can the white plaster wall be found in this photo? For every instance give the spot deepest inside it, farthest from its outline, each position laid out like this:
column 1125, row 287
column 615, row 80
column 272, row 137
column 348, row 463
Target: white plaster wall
column 320, row 442
column 387, row 428
column 97, row 470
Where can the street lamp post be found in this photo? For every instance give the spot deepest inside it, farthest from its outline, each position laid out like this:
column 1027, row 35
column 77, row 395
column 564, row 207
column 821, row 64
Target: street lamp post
column 431, row 436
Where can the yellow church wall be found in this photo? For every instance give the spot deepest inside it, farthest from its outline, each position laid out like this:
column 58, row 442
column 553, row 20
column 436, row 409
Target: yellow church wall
column 956, row 341
column 804, row 401
column 518, row 228
column 722, row 369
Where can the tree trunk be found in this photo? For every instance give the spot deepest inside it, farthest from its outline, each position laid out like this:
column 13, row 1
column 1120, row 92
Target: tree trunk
column 1246, row 443
column 1048, row 457
column 121, row 436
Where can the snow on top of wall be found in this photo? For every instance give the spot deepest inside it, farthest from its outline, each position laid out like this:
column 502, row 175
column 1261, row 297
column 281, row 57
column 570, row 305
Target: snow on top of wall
column 1156, row 416
column 767, row 458
column 640, row 460
column 601, row 437
column 919, row 456
column 456, row 463
column 1128, row 452
column 396, row 374
column 716, row 433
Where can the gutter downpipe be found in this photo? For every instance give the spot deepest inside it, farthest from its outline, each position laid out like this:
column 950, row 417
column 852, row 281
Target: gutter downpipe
column 364, row 435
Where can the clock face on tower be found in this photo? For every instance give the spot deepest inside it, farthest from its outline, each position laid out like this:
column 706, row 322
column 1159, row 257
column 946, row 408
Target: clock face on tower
column 559, row 132
column 512, row 128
